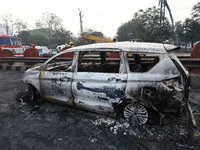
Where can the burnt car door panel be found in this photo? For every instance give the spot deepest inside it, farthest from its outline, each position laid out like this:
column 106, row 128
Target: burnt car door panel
column 98, row 84
column 153, row 86
column 56, row 85
column 56, row 79
column 97, row 91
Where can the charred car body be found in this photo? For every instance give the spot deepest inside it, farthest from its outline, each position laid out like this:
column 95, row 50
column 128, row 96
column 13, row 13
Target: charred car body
column 114, row 78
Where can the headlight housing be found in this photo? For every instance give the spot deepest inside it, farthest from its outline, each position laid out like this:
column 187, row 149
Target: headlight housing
column 169, row 83
column 176, row 83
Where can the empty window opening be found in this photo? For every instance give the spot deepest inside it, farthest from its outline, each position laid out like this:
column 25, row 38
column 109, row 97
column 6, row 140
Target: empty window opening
column 62, row 63
column 98, row 62
column 141, row 62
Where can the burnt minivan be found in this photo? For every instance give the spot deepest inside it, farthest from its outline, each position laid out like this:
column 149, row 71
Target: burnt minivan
column 123, row 78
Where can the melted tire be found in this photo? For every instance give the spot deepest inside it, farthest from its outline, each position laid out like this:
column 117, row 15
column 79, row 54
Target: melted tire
column 33, row 93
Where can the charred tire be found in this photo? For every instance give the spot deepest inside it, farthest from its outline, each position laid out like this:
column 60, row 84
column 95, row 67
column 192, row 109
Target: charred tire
column 136, row 114
column 33, row 93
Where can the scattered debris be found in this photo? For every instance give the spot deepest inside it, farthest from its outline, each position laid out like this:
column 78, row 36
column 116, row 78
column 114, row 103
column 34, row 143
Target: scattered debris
column 92, row 139
column 185, row 146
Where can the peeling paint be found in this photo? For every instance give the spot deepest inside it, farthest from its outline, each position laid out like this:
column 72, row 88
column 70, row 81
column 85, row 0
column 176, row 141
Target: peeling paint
column 110, row 92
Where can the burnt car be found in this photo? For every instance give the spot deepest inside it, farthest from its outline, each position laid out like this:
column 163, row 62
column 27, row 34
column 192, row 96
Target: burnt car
column 123, row 78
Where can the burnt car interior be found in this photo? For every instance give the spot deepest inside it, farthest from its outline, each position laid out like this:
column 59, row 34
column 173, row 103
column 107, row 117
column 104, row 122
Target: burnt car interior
column 90, row 61
column 103, row 61
column 62, row 63
column 141, row 62
column 60, row 66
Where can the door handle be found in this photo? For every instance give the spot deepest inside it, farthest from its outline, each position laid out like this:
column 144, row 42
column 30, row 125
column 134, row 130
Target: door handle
column 64, row 78
column 113, row 79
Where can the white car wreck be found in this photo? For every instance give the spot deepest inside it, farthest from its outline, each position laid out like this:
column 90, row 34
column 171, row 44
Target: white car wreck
column 114, row 78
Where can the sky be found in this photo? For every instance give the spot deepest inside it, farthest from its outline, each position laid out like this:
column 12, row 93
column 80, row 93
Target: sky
column 103, row 15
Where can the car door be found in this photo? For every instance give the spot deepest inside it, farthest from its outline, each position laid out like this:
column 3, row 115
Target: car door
column 56, row 79
column 98, row 89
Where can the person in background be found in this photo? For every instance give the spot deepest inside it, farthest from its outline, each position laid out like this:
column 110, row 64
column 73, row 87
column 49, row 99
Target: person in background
column 66, row 45
column 59, row 49
column 71, row 44
column 33, row 45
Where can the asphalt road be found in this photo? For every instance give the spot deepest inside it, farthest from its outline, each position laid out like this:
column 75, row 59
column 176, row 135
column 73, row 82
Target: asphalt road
column 48, row 126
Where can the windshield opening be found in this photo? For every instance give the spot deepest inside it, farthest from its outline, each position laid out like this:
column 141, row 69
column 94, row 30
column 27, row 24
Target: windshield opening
column 5, row 41
column 16, row 42
column 10, row 42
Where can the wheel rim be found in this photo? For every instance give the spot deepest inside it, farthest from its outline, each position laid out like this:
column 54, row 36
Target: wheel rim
column 136, row 114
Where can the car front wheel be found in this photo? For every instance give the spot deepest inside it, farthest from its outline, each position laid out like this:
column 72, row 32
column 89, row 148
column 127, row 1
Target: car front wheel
column 33, row 93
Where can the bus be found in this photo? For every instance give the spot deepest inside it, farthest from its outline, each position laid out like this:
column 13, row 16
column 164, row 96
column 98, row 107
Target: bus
column 11, row 43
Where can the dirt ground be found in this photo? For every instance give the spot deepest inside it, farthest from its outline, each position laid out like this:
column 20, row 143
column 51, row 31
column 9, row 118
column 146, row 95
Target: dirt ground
column 48, row 126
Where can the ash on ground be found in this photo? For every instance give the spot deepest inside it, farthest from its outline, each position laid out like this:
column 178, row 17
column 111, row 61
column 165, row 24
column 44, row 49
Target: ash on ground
column 44, row 125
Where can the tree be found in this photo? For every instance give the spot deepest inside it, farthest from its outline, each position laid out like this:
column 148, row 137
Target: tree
column 36, row 37
column 124, row 32
column 191, row 30
column 51, row 22
column 179, row 32
column 12, row 26
column 52, row 27
column 61, row 36
column 8, row 24
column 39, row 38
column 196, row 18
column 19, row 25
column 196, row 12
column 26, row 37
column 145, row 25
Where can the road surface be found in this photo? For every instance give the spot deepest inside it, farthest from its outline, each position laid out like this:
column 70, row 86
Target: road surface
column 48, row 126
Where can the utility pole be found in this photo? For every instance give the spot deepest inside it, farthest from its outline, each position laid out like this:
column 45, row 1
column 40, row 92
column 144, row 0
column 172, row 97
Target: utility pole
column 162, row 13
column 163, row 4
column 81, row 21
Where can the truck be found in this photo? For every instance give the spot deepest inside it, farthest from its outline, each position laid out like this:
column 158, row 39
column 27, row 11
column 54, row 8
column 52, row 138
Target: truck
column 11, row 43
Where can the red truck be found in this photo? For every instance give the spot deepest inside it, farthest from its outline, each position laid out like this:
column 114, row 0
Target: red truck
column 11, row 43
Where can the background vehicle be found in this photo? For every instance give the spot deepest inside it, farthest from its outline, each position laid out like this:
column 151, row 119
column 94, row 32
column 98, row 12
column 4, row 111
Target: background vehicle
column 53, row 51
column 26, row 47
column 11, row 43
column 43, row 50
column 96, row 38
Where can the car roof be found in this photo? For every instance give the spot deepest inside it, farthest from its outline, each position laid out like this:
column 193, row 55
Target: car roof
column 137, row 47
column 142, row 47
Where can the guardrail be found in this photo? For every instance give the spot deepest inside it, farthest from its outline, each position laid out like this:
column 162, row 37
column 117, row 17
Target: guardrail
column 186, row 61
column 190, row 62
column 24, row 59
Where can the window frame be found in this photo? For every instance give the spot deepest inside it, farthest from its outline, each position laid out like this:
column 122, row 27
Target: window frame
column 159, row 56
column 122, row 67
column 67, row 60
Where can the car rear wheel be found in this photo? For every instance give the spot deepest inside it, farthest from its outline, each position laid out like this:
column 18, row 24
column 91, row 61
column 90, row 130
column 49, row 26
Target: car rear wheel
column 136, row 114
column 33, row 93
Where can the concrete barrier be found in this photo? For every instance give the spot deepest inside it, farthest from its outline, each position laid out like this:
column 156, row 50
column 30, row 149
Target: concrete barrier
column 14, row 67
